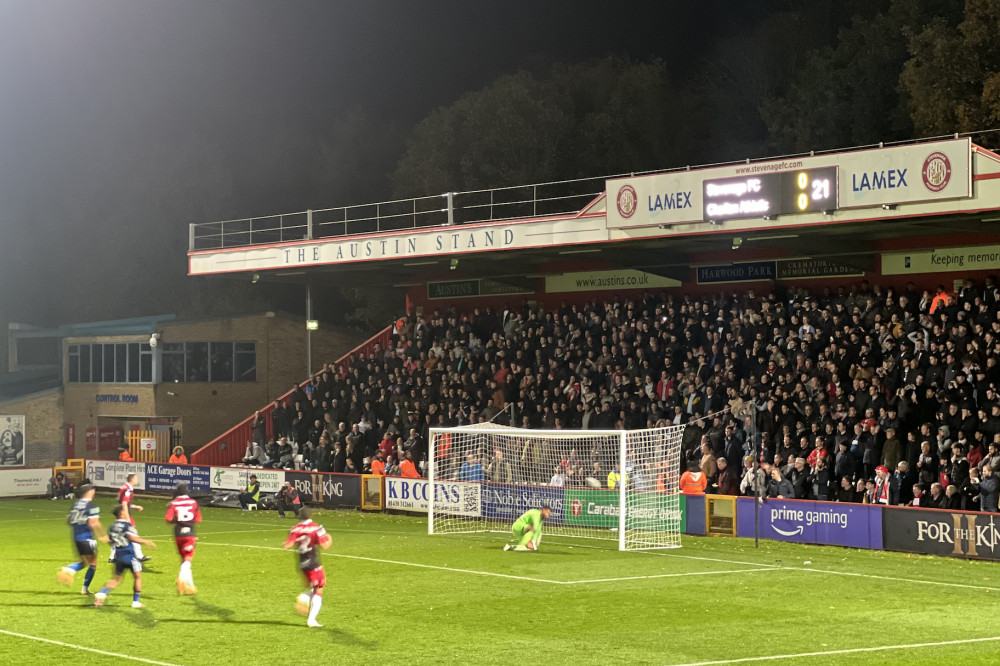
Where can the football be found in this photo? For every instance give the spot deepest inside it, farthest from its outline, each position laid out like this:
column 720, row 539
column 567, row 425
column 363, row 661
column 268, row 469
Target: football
column 302, row 604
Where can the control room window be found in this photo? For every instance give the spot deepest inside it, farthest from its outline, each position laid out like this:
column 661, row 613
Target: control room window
column 222, row 361
column 173, row 362
column 74, row 363
column 84, row 363
column 96, row 363
column 133, row 362
column 121, row 363
column 246, row 361
column 196, row 361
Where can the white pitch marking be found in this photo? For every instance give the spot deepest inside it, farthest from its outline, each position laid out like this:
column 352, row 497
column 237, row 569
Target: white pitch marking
column 210, row 534
column 707, row 559
column 824, row 653
column 502, row 575
column 669, row 575
column 85, row 648
column 407, row 564
column 841, row 573
column 896, row 578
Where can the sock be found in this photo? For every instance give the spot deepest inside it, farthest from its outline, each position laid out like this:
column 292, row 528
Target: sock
column 135, row 596
column 314, row 606
column 76, row 566
column 89, row 577
column 185, row 574
column 105, row 591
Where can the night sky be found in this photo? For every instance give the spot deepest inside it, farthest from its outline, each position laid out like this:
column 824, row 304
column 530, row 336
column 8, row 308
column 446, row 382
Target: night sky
column 121, row 121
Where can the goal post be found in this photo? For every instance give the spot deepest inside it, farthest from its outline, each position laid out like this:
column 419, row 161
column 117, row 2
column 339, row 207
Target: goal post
column 613, row 485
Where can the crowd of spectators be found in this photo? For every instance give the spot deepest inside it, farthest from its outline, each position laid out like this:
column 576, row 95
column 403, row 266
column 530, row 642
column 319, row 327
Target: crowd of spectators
column 857, row 393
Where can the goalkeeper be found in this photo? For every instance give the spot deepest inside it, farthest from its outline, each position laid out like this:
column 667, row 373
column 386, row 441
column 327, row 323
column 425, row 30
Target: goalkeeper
column 528, row 529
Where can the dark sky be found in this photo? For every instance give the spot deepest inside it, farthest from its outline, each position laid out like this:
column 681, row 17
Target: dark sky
column 101, row 99
column 123, row 75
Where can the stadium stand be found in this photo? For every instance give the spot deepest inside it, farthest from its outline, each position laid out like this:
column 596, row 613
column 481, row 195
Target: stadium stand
column 834, row 390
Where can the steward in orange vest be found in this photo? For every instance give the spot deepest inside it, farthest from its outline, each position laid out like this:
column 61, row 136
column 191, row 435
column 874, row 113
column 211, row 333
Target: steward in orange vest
column 693, row 481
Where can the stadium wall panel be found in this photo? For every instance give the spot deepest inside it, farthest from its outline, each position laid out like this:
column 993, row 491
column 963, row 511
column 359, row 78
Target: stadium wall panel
column 806, row 521
column 940, row 532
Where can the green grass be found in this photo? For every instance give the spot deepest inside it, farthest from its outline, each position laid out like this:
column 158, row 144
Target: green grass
column 390, row 612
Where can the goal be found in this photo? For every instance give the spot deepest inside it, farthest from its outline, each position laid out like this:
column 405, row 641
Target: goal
column 616, row 485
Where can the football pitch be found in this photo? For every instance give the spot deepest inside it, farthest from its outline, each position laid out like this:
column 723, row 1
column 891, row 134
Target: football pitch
column 395, row 595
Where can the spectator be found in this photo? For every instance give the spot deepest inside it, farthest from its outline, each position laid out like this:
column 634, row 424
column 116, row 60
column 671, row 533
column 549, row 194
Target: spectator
column 254, row 454
column 798, row 475
column 819, row 481
column 499, row 470
column 471, row 470
column 725, row 482
column 124, row 455
column 988, row 487
column 558, row 479
column 886, row 490
column 754, row 480
column 780, row 487
column 953, row 499
column 937, row 499
column 178, row 457
column 898, row 371
column 259, row 427
column 846, row 492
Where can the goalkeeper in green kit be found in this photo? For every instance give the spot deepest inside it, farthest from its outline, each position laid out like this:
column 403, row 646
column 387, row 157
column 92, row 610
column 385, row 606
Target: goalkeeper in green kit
column 528, row 529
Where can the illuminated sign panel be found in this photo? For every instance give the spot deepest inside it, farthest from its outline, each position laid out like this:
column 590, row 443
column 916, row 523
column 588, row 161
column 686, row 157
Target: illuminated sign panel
column 770, row 194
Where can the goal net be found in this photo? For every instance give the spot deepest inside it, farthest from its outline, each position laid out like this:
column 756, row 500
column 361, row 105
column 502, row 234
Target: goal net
column 615, row 485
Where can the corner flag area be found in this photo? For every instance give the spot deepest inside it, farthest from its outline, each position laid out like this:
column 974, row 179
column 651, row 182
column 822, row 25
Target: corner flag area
column 395, row 595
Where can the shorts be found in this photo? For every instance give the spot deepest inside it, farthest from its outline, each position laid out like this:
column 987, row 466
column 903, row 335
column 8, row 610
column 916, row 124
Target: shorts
column 86, row 547
column 185, row 546
column 315, row 577
column 129, row 563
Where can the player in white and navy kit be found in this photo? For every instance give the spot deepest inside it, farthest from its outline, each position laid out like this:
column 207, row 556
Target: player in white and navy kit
column 84, row 520
column 125, row 496
column 123, row 537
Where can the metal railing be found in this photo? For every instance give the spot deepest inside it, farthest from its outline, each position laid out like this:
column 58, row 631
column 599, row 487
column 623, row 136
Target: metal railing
column 564, row 197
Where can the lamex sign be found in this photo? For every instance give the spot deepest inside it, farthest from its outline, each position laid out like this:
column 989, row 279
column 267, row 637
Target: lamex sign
column 112, row 473
column 454, row 497
column 935, row 532
column 166, row 477
column 236, row 478
column 911, row 173
column 327, row 489
column 505, row 503
column 601, row 508
column 802, row 521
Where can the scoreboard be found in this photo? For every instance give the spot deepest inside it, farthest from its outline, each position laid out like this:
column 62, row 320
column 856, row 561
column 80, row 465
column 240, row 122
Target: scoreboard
column 770, row 194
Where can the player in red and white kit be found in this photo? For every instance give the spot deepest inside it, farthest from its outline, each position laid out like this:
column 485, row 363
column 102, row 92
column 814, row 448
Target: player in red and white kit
column 305, row 537
column 183, row 513
column 125, row 495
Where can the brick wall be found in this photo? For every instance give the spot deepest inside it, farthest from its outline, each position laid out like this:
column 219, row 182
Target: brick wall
column 43, row 426
column 202, row 411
